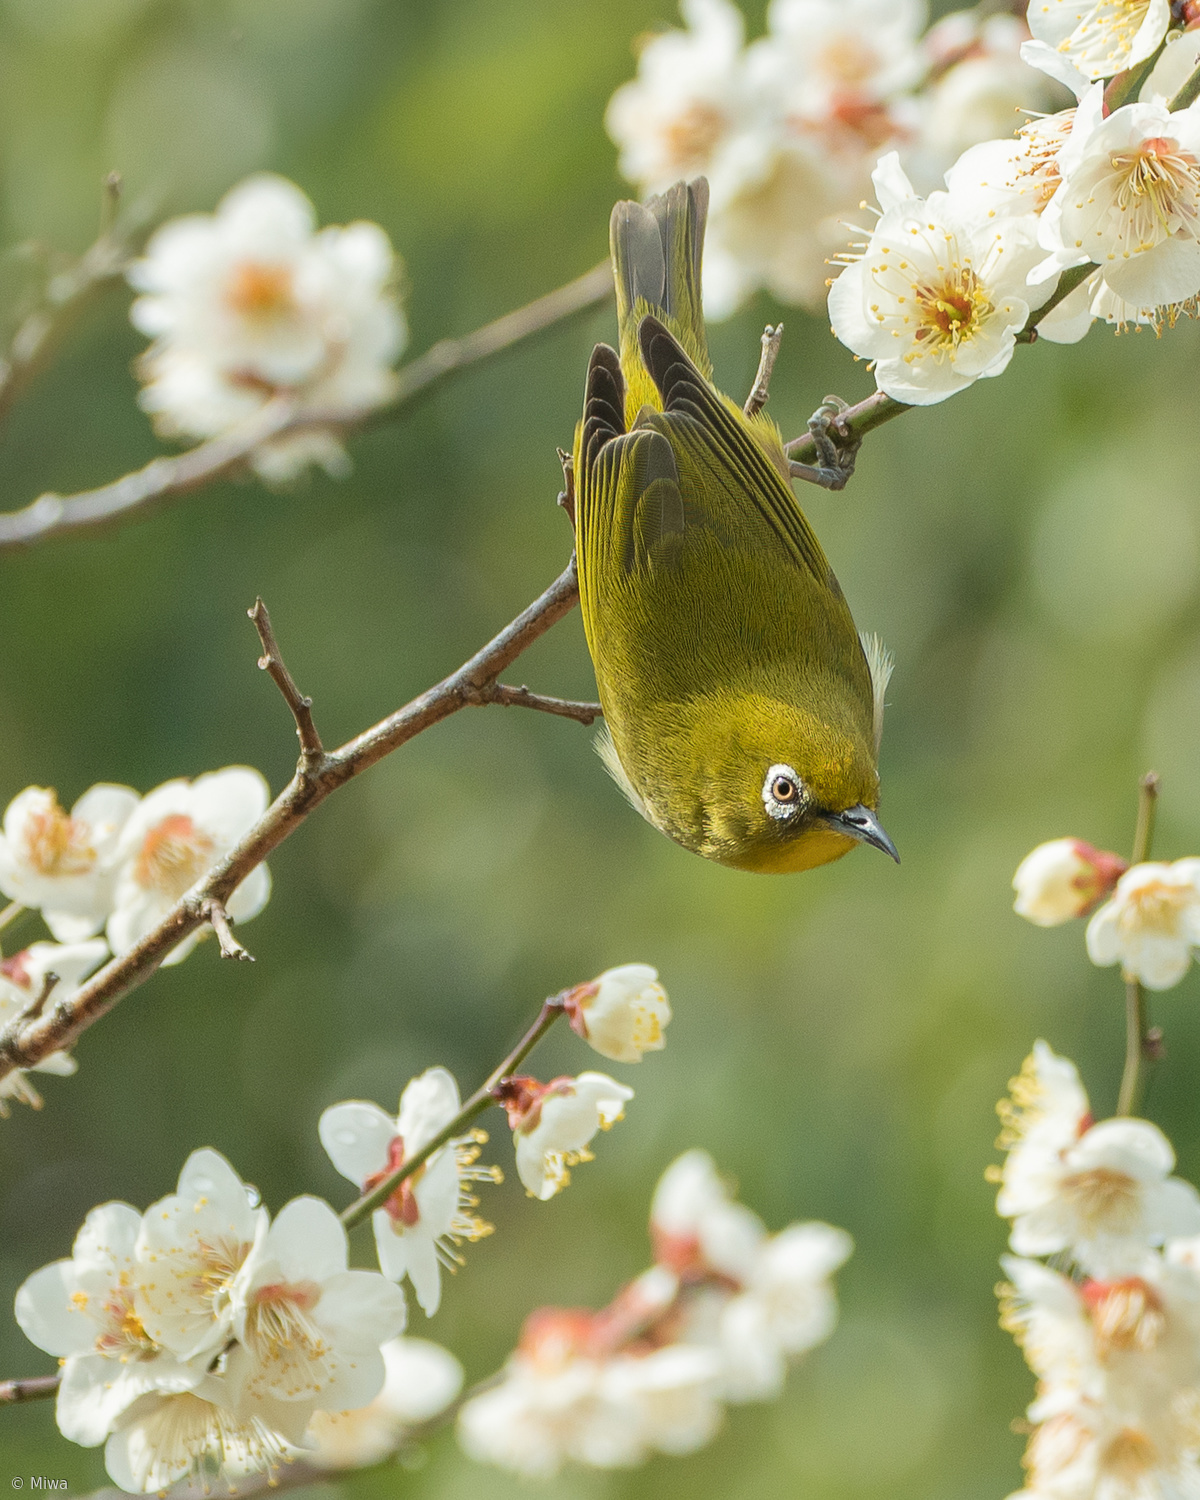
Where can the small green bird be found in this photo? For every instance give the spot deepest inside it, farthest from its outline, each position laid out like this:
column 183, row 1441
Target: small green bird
column 743, row 713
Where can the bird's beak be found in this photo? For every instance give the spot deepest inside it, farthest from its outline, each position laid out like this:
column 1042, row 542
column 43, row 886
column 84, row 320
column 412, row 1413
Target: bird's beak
column 860, row 823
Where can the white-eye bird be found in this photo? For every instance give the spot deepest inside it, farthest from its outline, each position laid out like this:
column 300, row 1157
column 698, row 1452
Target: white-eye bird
column 743, row 712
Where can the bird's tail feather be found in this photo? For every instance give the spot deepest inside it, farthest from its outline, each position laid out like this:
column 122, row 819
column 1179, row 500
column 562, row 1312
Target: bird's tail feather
column 657, row 248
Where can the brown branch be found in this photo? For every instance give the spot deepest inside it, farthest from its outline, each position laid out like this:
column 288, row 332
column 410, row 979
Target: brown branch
column 67, row 293
column 32, row 1388
column 311, row 749
column 521, row 697
column 25, row 1043
column 167, row 478
column 218, row 919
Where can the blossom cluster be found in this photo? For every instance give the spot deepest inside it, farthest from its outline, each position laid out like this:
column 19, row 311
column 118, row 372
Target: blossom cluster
column 1112, row 1327
column 1149, row 921
column 203, row 1334
column 789, row 128
column 943, row 285
column 253, row 303
column 937, row 291
column 116, row 863
column 715, row 1320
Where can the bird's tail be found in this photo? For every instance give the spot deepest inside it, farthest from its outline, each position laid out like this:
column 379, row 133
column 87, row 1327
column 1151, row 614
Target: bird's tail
column 657, row 248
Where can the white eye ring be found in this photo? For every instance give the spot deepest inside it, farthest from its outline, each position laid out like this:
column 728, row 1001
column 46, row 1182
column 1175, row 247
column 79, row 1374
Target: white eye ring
column 778, row 780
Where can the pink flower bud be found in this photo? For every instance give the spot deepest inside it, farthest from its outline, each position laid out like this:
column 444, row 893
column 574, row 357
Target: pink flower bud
column 1064, row 879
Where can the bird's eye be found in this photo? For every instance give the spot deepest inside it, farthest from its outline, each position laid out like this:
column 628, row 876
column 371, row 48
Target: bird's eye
column 782, row 792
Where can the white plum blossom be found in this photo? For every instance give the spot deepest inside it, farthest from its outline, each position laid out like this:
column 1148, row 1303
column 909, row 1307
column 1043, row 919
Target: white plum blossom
column 253, row 302
column 83, row 1311
column 190, row 1248
column 787, row 1307
column 562, row 1398
column 422, row 1380
column 1129, row 201
column 623, row 1013
column 63, row 863
column 1100, row 1193
column 1118, row 1364
column 1063, row 879
column 162, row 1438
column 177, row 834
column 980, row 82
column 1116, row 1346
column 848, row 51
column 308, row 1329
column 770, row 1297
column 23, row 979
column 696, row 1225
column 1151, row 924
column 938, row 296
column 1101, row 37
column 554, row 1122
column 1048, row 1109
column 430, row 1212
column 685, row 112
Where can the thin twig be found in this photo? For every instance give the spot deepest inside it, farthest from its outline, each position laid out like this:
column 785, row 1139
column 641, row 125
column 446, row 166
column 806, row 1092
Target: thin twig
column 771, row 340
column 67, row 294
column 168, row 478
column 1143, row 1045
column 483, row 1098
column 24, row 1044
column 219, row 920
column 31, row 1012
column 32, row 1388
column 1143, row 837
column 521, row 697
column 311, row 748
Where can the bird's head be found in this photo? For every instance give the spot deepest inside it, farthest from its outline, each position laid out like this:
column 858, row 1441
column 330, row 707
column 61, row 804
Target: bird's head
column 783, row 790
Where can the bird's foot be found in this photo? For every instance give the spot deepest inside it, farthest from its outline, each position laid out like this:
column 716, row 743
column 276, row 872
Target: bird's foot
column 757, row 399
column 837, row 448
column 566, row 496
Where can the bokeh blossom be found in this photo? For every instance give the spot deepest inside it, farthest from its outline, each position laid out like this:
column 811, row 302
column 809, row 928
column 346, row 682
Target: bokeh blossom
column 421, row 1382
column 1063, row 879
column 1151, row 924
column 64, row 863
column 177, row 834
column 254, row 302
column 23, row 979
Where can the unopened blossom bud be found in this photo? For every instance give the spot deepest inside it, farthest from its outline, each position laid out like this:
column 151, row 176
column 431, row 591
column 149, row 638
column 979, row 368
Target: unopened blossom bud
column 1063, row 879
column 553, row 1122
column 623, row 1013
column 1151, row 925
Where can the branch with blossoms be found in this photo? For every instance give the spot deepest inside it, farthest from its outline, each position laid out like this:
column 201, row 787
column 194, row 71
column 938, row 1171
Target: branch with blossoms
column 155, row 872
column 203, row 1341
column 1110, row 1325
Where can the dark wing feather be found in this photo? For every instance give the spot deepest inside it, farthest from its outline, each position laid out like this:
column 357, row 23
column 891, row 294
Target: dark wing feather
column 688, row 395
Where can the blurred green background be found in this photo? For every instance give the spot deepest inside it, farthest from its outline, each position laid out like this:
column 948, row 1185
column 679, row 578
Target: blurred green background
column 1030, row 552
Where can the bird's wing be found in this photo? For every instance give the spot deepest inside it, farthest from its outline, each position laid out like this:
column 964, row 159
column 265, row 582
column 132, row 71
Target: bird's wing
column 629, row 510
column 715, row 436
